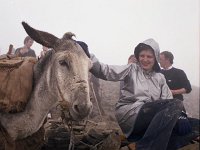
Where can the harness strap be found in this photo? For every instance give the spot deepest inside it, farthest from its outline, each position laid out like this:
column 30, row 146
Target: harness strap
column 5, row 134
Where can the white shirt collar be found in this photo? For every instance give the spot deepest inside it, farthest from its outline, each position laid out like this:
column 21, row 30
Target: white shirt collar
column 170, row 67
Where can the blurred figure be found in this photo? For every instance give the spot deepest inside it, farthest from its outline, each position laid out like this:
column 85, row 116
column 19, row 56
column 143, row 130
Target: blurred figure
column 11, row 50
column 176, row 78
column 44, row 51
column 9, row 54
column 26, row 50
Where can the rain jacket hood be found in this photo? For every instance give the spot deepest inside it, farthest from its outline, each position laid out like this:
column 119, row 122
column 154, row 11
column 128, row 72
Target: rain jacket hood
column 152, row 44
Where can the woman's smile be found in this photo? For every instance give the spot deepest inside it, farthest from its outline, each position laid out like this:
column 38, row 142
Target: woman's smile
column 147, row 59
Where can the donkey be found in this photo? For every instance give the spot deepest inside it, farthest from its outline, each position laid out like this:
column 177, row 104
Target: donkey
column 60, row 76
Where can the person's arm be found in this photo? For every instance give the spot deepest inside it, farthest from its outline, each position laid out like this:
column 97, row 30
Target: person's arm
column 109, row 72
column 185, row 84
column 179, row 91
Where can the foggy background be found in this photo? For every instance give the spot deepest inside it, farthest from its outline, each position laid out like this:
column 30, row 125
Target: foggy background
column 111, row 28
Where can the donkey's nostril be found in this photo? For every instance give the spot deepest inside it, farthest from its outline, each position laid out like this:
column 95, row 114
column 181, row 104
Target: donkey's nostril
column 76, row 109
column 81, row 110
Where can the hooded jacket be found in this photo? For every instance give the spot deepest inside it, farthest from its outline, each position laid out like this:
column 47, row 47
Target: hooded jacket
column 139, row 88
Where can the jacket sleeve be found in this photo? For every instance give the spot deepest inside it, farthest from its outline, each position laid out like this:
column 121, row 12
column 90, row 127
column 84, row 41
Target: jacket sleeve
column 166, row 92
column 109, row 72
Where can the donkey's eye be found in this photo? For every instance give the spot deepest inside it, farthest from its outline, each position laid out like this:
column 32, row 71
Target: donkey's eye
column 64, row 63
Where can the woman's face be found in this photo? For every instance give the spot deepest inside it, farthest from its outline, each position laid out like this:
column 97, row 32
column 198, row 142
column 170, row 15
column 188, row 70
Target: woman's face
column 29, row 43
column 147, row 59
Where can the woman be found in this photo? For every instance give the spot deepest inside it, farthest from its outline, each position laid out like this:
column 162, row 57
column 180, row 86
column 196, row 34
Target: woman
column 146, row 107
column 26, row 50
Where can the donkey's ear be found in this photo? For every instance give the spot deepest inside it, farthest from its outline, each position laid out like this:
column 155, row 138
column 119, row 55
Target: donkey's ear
column 43, row 38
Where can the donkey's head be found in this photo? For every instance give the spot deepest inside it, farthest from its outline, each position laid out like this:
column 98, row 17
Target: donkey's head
column 67, row 73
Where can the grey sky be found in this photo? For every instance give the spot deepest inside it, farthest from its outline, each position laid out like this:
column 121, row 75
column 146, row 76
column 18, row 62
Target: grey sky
column 111, row 28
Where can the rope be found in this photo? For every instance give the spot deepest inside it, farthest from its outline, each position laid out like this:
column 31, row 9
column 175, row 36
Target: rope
column 72, row 137
column 5, row 135
column 67, row 123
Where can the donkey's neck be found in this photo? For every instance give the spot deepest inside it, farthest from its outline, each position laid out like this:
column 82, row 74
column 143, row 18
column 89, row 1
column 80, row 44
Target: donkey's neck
column 21, row 125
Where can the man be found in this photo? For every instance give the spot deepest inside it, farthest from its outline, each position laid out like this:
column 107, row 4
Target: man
column 176, row 78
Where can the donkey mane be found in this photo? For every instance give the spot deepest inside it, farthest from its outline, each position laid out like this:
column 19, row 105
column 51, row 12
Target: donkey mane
column 40, row 66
